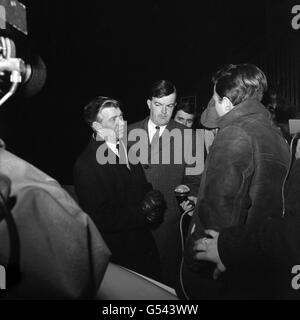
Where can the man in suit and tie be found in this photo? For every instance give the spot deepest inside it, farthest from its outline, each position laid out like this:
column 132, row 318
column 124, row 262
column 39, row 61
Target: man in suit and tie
column 165, row 176
column 115, row 193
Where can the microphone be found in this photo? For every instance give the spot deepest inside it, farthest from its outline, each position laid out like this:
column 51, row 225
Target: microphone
column 182, row 192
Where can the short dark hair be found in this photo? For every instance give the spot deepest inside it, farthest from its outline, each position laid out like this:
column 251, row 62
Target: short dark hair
column 185, row 107
column 240, row 82
column 161, row 89
column 99, row 103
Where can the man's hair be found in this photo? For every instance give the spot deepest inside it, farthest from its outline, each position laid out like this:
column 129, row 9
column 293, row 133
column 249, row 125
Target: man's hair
column 161, row 89
column 185, row 107
column 91, row 110
column 240, row 82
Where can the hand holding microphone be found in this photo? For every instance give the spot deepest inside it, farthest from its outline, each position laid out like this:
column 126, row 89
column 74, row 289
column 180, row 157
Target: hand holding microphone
column 185, row 201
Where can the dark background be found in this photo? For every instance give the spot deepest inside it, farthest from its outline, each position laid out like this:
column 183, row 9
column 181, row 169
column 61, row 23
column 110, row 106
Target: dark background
column 117, row 48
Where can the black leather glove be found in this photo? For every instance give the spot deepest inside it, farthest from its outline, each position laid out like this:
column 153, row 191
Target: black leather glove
column 153, row 207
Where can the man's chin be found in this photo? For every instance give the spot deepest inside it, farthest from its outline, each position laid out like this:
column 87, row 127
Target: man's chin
column 163, row 122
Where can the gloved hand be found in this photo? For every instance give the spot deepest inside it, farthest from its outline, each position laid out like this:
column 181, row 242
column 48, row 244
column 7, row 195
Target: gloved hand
column 153, row 207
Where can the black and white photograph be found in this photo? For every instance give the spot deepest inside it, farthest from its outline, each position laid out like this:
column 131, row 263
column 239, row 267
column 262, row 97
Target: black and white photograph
column 149, row 151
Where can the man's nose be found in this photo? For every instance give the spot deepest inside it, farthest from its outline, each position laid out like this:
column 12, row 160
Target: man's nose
column 164, row 109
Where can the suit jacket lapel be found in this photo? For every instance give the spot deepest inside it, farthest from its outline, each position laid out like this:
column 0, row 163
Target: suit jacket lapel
column 144, row 125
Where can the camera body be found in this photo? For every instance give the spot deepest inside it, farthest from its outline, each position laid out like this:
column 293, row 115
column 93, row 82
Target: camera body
column 13, row 16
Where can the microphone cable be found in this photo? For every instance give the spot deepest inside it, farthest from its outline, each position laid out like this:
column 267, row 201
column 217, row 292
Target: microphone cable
column 182, row 251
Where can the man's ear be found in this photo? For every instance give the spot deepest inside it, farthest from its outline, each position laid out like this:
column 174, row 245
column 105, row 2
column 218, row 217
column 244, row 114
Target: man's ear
column 227, row 104
column 96, row 126
column 149, row 103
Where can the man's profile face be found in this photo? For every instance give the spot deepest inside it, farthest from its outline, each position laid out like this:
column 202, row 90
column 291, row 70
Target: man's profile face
column 112, row 123
column 161, row 109
column 184, row 118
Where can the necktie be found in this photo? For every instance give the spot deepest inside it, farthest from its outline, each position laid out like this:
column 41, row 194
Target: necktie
column 118, row 156
column 154, row 143
column 155, row 138
column 122, row 154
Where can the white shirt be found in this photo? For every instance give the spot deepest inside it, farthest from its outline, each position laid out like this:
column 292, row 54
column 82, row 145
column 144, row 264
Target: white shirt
column 152, row 129
column 112, row 147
